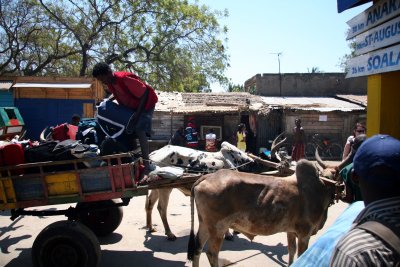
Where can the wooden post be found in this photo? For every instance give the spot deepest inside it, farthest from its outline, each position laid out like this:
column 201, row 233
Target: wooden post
column 383, row 110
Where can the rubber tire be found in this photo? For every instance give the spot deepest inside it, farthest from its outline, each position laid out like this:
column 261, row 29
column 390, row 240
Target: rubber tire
column 309, row 151
column 335, row 151
column 66, row 244
column 101, row 221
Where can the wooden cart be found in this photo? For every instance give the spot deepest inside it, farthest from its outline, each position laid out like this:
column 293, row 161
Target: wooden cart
column 99, row 194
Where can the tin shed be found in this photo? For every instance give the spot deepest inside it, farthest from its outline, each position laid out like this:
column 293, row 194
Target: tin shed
column 329, row 117
column 6, row 93
column 220, row 111
column 49, row 101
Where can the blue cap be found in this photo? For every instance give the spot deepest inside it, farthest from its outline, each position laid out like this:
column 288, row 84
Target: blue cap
column 379, row 150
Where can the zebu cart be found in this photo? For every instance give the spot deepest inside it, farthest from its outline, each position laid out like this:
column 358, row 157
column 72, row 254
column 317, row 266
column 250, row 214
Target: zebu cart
column 99, row 194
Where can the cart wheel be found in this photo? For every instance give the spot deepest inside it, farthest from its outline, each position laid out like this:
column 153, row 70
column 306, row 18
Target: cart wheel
column 66, row 244
column 102, row 217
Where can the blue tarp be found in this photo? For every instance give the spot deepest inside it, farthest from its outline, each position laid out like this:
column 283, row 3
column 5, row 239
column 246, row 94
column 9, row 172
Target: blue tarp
column 319, row 254
column 343, row 5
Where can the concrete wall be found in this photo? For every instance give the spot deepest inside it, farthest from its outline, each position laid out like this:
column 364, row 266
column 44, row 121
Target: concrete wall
column 305, row 84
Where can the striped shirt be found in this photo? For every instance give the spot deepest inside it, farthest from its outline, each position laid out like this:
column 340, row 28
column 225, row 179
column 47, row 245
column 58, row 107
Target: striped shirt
column 361, row 248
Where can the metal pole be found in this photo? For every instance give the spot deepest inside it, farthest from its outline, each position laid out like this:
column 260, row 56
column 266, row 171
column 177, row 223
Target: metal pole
column 280, row 76
column 279, row 68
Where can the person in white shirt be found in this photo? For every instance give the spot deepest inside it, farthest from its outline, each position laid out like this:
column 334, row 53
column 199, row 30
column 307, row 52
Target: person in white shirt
column 211, row 141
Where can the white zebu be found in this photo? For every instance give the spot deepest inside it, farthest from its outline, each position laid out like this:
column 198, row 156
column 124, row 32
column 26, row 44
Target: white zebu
column 229, row 157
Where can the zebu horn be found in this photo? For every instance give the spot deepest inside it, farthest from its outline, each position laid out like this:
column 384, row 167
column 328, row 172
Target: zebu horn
column 275, row 146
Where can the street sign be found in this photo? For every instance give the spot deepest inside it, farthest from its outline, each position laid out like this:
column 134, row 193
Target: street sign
column 373, row 16
column 378, row 37
column 379, row 61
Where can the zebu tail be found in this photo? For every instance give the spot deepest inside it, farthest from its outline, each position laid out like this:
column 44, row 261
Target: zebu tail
column 192, row 245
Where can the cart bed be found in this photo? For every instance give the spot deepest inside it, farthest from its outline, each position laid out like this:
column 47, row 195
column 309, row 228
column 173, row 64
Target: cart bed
column 20, row 188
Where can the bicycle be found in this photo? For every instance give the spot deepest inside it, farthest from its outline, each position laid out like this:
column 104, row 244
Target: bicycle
column 326, row 148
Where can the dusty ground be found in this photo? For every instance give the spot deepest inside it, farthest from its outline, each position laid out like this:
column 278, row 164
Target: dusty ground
column 130, row 245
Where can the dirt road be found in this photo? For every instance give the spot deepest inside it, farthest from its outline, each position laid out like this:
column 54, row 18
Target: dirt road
column 130, row 245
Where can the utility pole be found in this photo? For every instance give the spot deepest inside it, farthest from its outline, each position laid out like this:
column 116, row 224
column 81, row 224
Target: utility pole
column 280, row 76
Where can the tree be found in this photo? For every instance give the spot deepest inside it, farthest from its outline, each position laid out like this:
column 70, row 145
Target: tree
column 314, row 70
column 235, row 87
column 345, row 58
column 29, row 42
column 172, row 44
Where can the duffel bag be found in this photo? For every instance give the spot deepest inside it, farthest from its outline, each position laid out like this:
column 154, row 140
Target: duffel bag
column 40, row 153
column 113, row 118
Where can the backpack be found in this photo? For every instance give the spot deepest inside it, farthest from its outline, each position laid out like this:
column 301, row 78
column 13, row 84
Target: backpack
column 60, row 132
column 388, row 233
column 191, row 135
column 89, row 132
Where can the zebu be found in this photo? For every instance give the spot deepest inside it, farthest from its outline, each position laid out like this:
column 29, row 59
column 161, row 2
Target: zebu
column 258, row 205
column 229, row 157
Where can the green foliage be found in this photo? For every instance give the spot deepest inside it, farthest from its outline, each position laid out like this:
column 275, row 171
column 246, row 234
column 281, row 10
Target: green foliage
column 345, row 58
column 235, row 88
column 314, row 70
column 174, row 45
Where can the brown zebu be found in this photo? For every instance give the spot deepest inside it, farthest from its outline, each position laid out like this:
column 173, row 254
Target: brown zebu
column 258, row 205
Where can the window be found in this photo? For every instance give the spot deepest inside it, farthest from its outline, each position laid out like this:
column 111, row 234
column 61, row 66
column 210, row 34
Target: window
column 205, row 128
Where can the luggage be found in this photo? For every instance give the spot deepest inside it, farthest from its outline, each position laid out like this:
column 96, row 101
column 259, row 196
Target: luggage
column 60, row 132
column 12, row 154
column 113, row 118
column 55, row 151
column 89, row 132
column 112, row 146
column 41, row 153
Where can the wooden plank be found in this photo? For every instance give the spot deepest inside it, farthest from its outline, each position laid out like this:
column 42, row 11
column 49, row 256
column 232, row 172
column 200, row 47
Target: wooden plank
column 54, row 93
column 88, row 110
column 49, row 79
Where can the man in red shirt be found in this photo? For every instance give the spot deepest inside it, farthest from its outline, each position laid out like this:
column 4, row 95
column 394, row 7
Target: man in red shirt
column 130, row 91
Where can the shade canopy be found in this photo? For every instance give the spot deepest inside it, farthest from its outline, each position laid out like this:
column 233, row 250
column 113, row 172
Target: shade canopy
column 343, row 5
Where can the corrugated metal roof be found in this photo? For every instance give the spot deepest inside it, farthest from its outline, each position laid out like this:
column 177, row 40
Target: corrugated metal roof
column 53, row 85
column 358, row 99
column 322, row 104
column 234, row 102
column 208, row 109
column 205, row 102
column 5, row 85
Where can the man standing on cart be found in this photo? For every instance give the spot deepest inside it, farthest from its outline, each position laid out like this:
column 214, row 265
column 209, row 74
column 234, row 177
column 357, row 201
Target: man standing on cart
column 130, row 91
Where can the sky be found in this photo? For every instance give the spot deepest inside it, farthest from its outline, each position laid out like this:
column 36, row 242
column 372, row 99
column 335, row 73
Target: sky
column 307, row 33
